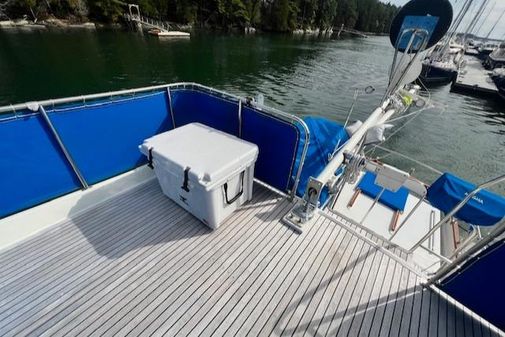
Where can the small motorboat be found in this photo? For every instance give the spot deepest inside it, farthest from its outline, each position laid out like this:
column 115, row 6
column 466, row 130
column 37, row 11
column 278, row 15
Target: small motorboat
column 168, row 33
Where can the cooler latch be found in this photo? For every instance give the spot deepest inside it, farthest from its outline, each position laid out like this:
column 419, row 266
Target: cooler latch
column 186, row 179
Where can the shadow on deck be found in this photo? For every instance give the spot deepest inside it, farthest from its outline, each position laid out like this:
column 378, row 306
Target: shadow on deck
column 138, row 264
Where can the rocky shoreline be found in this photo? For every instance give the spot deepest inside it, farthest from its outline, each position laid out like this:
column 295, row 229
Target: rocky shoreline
column 44, row 24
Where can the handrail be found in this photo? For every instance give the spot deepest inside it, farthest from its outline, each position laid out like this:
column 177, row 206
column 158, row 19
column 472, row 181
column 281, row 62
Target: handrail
column 434, row 170
column 462, row 203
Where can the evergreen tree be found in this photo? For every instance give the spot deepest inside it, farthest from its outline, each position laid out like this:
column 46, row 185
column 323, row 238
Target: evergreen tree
column 269, row 15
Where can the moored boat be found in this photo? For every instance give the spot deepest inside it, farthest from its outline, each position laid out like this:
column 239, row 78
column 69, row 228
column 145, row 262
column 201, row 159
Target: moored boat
column 497, row 58
column 498, row 76
column 168, row 33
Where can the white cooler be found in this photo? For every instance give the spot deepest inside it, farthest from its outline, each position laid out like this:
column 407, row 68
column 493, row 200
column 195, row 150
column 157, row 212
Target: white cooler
column 206, row 171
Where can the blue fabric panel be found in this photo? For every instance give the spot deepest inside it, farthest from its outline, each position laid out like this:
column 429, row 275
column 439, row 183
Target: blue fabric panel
column 191, row 106
column 32, row 167
column 277, row 141
column 324, row 137
column 103, row 140
column 394, row 200
column 484, row 209
column 479, row 285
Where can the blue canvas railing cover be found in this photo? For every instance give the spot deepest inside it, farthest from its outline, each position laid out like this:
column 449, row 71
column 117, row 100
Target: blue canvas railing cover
column 484, row 209
column 102, row 136
column 325, row 135
column 479, row 284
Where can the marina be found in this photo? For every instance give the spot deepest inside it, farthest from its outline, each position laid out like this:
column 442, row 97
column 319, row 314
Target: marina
column 474, row 78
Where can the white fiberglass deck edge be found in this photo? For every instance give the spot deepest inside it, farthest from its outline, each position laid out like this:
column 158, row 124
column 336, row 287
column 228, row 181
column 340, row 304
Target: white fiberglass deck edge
column 22, row 225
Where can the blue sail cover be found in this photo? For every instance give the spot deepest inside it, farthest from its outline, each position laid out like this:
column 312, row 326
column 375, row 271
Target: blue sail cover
column 324, row 137
column 484, row 209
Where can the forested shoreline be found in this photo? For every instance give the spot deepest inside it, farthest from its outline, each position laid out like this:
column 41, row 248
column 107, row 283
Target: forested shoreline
column 267, row 15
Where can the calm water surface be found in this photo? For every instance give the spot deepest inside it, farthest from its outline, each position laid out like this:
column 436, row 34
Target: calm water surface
column 460, row 134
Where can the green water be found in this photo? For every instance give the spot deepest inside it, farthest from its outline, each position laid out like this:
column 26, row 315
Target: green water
column 461, row 134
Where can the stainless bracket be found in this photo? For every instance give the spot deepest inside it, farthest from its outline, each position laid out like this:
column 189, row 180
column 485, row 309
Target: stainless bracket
column 303, row 211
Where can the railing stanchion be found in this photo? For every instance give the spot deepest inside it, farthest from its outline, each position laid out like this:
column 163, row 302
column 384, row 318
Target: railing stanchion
column 62, row 147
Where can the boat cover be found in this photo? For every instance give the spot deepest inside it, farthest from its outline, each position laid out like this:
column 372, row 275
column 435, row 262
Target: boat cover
column 484, row 209
column 394, row 200
column 324, row 137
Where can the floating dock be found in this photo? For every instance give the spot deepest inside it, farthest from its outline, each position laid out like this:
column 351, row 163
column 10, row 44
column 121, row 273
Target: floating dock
column 474, row 78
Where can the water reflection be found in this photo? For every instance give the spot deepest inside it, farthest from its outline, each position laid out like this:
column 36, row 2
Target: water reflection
column 461, row 134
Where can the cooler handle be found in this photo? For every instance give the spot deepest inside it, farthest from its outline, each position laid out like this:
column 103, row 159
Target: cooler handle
column 225, row 186
column 186, row 180
column 150, row 159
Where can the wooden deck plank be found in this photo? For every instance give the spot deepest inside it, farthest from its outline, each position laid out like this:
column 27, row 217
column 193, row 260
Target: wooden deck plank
column 151, row 282
column 139, row 264
column 442, row 317
column 314, row 313
column 276, row 298
column 76, row 249
column 434, row 314
column 415, row 322
column 399, row 311
column 261, row 292
column 36, row 248
column 356, row 279
column 47, row 290
column 389, row 307
column 406, row 317
column 201, row 302
column 468, row 324
column 344, row 272
column 424, row 319
column 451, row 320
column 310, row 296
column 294, row 293
column 379, row 296
column 369, row 294
column 173, row 281
column 358, row 295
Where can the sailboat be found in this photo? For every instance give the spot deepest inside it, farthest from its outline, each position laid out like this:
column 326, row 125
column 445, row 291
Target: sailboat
column 180, row 209
column 497, row 58
column 442, row 63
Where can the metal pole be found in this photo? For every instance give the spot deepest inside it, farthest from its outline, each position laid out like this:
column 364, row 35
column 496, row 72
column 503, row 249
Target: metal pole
column 407, row 218
column 483, row 244
column 373, row 204
column 457, row 208
column 63, row 148
column 170, row 106
column 239, row 118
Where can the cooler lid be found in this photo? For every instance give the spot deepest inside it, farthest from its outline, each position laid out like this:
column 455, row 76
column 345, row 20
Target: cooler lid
column 210, row 154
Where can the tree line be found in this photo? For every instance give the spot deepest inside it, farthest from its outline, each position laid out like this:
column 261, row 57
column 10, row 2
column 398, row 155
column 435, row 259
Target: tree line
column 269, row 15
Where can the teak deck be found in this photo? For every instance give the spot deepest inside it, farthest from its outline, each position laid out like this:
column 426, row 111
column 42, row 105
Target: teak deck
column 138, row 264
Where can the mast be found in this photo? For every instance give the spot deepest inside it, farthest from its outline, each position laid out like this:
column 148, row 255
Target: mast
column 453, row 30
column 495, row 24
column 485, row 18
column 473, row 22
